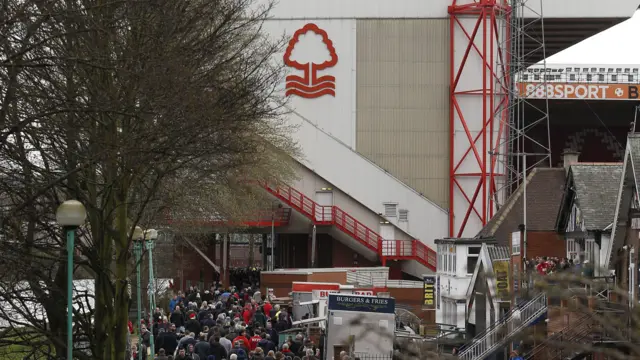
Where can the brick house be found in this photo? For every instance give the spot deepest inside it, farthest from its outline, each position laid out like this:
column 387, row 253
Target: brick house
column 545, row 189
column 587, row 211
column 624, row 235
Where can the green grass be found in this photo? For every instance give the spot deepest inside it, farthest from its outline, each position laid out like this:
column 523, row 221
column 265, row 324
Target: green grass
column 12, row 347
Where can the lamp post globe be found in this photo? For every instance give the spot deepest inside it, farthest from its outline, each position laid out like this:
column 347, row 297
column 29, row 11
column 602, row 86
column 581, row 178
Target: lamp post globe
column 138, row 233
column 151, row 235
column 71, row 213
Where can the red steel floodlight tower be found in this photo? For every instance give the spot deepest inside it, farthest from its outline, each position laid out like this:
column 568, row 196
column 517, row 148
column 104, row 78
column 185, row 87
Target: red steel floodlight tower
column 479, row 88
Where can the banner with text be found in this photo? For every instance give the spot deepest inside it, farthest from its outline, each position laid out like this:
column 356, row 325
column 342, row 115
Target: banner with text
column 501, row 272
column 361, row 303
column 578, row 91
column 429, row 298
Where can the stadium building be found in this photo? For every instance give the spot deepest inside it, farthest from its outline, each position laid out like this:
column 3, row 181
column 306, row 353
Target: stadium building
column 410, row 124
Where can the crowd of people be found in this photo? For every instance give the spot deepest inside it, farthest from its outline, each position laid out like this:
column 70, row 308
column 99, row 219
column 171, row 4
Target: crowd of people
column 544, row 265
column 218, row 323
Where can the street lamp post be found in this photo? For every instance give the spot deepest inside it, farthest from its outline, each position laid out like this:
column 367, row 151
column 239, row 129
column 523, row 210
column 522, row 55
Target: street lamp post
column 150, row 237
column 138, row 236
column 70, row 214
column 271, row 265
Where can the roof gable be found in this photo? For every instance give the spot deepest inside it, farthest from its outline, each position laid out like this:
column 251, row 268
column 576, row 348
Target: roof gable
column 488, row 254
column 545, row 187
column 594, row 189
column 627, row 195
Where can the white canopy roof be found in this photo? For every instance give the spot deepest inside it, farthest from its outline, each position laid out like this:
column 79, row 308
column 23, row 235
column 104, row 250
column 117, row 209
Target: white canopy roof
column 616, row 45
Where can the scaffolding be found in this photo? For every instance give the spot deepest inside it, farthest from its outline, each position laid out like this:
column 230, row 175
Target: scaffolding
column 525, row 34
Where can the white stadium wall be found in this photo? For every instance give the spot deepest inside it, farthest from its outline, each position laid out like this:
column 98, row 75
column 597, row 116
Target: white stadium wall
column 332, row 114
column 325, row 110
column 327, row 123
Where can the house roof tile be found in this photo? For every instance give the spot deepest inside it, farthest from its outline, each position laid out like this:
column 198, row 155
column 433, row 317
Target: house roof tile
column 596, row 188
column 545, row 187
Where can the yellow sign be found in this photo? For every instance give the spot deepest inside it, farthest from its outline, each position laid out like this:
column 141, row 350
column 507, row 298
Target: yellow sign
column 429, row 300
column 501, row 272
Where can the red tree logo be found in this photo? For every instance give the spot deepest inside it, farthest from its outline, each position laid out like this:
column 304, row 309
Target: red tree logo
column 301, row 54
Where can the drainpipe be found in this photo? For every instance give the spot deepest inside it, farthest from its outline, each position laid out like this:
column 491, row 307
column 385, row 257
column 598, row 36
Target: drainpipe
column 632, row 278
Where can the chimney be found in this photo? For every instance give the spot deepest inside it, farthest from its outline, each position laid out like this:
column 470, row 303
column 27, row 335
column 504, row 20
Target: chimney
column 569, row 157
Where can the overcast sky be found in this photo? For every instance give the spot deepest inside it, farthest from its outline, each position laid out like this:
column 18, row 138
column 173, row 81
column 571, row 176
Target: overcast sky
column 617, row 45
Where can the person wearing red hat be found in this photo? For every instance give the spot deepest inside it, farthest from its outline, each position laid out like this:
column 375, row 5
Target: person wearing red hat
column 193, row 325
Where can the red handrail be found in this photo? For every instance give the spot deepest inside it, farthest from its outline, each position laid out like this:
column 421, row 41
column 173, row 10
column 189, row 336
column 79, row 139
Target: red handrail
column 411, row 249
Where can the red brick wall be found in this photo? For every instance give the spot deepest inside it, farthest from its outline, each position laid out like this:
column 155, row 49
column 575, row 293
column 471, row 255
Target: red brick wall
column 545, row 243
column 342, row 256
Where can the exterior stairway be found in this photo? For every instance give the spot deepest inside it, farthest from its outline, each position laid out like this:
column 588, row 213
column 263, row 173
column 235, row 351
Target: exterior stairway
column 551, row 349
column 499, row 333
column 334, row 216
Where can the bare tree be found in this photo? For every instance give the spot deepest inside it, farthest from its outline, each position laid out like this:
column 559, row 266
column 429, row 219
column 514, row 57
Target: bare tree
column 132, row 108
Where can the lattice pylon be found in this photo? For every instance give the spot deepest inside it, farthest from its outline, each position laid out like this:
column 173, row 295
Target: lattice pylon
column 479, row 88
column 528, row 119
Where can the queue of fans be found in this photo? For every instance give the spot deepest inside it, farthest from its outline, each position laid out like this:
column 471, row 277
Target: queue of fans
column 544, row 265
column 216, row 324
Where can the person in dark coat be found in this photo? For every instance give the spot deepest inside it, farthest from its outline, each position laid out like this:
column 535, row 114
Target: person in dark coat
column 202, row 347
column 193, row 325
column 167, row 340
column 266, row 344
column 208, row 321
column 259, row 318
column 177, row 318
column 216, row 349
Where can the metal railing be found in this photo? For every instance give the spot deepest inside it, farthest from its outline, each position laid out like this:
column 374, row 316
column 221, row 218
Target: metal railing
column 501, row 331
column 411, row 249
column 575, row 331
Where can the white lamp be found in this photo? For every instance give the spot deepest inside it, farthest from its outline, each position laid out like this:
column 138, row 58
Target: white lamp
column 138, row 233
column 71, row 213
column 151, row 234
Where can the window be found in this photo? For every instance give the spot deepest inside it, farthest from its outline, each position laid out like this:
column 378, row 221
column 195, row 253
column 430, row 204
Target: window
column 472, row 258
column 452, row 259
column 450, row 313
column 447, row 258
column 403, row 215
column 515, row 243
column 390, row 209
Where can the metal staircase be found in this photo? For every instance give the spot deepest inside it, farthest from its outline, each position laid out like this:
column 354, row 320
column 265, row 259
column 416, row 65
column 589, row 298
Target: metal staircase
column 576, row 332
column 499, row 333
column 334, row 216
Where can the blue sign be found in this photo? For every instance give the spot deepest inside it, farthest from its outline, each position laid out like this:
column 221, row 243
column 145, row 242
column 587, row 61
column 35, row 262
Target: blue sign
column 347, row 302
